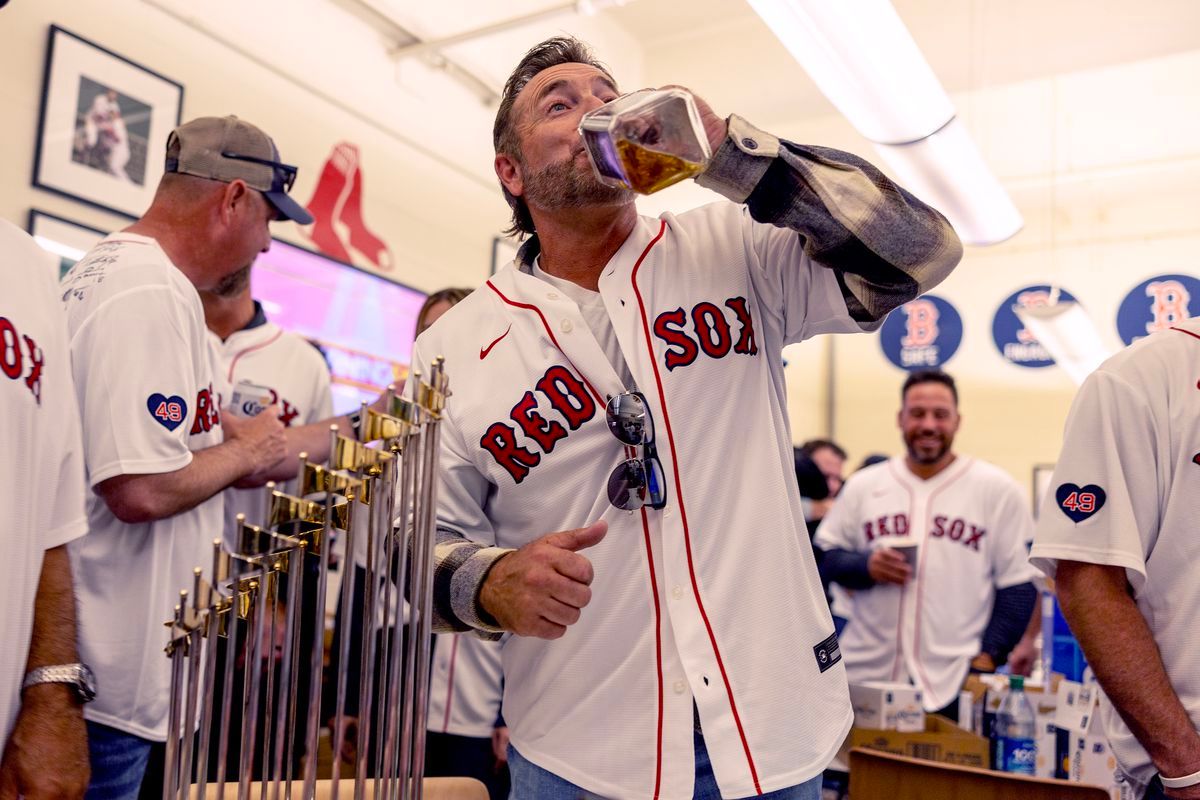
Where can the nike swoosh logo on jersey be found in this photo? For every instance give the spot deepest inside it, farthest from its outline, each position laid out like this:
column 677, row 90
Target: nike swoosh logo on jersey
column 483, row 351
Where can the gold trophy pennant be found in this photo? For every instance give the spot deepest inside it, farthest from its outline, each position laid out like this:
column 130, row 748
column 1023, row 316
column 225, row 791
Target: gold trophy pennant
column 347, row 454
column 258, row 544
column 404, row 409
column 385, row 427
column 354, row 456
column 221, row 611
column 297, row 518
column 316, row 479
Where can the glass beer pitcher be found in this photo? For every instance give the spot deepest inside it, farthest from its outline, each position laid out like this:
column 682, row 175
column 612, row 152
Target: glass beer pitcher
column 646, row 140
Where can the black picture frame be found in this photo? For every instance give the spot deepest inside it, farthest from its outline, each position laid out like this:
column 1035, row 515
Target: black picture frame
column 103, row 123
column 66, row 239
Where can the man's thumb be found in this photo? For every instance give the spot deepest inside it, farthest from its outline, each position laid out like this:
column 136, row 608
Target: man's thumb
column 581, row 538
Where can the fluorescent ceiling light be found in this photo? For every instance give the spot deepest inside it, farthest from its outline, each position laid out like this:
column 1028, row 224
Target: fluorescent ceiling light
column 1068, row 334
column 862, row 57
column 59, row 249
column 946, row 170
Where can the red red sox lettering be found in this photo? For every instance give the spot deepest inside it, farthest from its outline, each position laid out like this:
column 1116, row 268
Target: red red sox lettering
column 955, row 530
column 17, row 350
column 566, row 394
column 710, row 331
column 287, row 411
column 207, row 415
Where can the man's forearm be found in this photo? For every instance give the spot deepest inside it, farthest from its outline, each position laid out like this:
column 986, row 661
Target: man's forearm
column 1121, row 651
column 1009, row 620
column 150, row 497
column 54, row 629
column 846, row 567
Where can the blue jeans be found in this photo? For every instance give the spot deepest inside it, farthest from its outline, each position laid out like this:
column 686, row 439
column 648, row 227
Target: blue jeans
column 531, row 782
column 118, row 763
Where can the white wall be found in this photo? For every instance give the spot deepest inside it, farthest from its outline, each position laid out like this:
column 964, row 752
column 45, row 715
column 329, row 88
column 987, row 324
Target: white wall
column 1104, row 165
column 311, row 74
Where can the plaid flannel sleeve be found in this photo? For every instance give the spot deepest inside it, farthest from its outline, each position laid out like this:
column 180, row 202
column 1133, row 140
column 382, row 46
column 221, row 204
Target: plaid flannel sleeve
column 459, row 569
column 886, row 246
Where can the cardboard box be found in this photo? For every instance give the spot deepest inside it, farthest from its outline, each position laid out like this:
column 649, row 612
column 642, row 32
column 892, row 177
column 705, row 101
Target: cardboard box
column 879, row 705
column 941, row 740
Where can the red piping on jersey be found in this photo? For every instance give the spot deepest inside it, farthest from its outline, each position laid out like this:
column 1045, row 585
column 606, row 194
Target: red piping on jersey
column 657, row 654
column 630, row 453
column 1189, row 333
column 549, row 333
column 662, row 398
column 450, row 684
column 921, row 567
column 251, row 349
column 903, row 588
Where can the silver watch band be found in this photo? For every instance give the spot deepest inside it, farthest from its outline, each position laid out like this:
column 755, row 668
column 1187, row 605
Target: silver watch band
column 79, row 676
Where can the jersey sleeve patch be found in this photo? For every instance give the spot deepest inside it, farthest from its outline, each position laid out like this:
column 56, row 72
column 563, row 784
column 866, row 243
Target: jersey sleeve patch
column 1079, row 502
column 170, row 412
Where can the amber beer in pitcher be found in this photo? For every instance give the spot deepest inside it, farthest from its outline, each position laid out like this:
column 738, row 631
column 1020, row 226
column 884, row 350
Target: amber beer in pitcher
column 647, row 140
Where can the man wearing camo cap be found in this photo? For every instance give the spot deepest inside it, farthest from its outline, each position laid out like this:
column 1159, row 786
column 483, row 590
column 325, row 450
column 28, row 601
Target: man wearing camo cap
column 157, row 449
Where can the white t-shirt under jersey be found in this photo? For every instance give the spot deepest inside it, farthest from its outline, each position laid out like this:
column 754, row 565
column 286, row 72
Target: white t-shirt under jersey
column 41, row 462
column 1126, row 493
column 144, row 379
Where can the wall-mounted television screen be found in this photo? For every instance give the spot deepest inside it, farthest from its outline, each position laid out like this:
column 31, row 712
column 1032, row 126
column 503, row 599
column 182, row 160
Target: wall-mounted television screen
column 362, row 322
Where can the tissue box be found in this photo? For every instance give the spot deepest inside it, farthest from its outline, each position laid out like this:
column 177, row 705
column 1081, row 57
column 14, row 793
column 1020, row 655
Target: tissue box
column 879, row 705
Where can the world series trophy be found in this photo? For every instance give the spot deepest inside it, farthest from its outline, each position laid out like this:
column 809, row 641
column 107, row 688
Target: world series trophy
column 266, row 595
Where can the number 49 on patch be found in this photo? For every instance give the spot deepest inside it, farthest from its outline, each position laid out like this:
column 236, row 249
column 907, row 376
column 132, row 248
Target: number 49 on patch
column 1079, row 502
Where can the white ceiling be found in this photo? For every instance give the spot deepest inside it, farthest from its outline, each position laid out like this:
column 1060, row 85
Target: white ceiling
column 723, row 51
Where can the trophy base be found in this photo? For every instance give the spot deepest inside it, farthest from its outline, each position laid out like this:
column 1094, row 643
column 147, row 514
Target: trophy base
column 434, row 789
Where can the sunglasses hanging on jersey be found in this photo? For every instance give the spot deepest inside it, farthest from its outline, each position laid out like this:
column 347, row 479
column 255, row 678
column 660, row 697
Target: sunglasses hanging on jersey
column 635, row 482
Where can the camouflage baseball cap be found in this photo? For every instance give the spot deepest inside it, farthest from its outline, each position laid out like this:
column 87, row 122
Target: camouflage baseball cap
column 228, row 149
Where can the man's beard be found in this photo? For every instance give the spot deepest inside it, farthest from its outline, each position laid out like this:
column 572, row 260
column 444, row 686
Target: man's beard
column 565, row 185
column 233, row 284
column 921, row 456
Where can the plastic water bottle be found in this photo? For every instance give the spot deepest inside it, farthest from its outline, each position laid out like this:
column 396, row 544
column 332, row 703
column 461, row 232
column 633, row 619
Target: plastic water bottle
column 1016, row 730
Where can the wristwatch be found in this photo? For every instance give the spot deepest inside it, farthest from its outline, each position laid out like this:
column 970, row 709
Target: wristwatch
column 79, row 676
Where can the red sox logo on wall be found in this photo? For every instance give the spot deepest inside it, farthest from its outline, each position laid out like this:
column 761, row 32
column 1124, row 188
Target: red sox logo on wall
column 338, row 227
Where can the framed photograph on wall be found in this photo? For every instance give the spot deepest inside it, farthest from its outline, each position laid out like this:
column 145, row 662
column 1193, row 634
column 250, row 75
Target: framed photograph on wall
column 64, row 239
column 103, row 125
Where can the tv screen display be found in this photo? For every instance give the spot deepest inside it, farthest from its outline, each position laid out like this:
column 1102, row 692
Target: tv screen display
column 363, row 323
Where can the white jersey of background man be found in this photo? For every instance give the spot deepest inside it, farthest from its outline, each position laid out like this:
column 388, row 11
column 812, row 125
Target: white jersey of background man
column 296, row 375
column 41, row 463
column 972, row 525
column 1126, row 493
column 144, row 379
column 465, row 686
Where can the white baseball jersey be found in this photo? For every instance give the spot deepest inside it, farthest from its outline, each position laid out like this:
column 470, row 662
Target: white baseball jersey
column 465, row 686
column 713, row 598
column 1126, row 493
column 144, row 379
column 298, row 377
column 41, row 464
column 972, row 526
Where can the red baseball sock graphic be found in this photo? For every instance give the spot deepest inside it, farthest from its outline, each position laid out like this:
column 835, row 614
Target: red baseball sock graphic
column 361, row 238
column 325, row 206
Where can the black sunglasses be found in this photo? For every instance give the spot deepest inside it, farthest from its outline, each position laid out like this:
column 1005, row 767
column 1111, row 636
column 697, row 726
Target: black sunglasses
column 635, row 482
column 285, row 174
